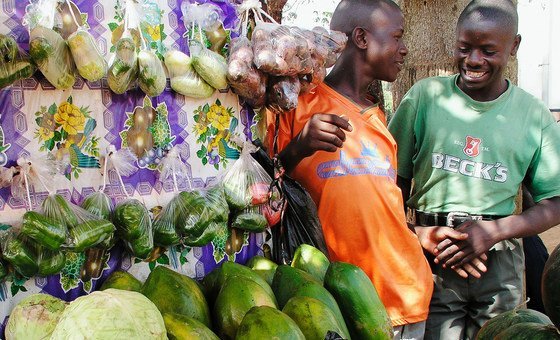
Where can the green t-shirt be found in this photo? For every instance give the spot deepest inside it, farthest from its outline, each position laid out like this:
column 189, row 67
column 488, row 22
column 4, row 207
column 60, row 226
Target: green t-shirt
column 472, row 156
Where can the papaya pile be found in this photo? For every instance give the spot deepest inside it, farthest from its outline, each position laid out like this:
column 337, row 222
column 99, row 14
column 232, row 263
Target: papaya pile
column 310, row 299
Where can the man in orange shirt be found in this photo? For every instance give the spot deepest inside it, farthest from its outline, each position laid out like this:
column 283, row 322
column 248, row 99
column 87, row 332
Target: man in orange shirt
column 346, row 158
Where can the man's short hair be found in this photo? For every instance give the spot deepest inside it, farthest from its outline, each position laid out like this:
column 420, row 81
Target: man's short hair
column 499, row 11
column 350, row 14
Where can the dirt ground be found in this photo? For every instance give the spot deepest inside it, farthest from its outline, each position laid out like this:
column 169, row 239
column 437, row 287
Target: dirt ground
column 551, row 238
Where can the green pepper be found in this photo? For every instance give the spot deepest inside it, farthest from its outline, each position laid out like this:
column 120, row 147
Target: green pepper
column 132, row 219
column 89, row 234
column 252, row 221
column 142, row 246
column 99, row 204
column 45, row 231
column 57, row 208
column 50, row 262
column 19, row 251
column 207, row 235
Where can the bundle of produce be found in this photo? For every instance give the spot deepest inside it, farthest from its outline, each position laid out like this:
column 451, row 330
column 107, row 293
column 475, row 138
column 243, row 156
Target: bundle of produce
column 14, row 64
column 291, row 55
column 50, row 262
column 203, row 215
column 151, row 74
column 20, row 252
column 172, row 169
column 183, row 77
column 124, row 67
column 47, row 48
column 209, row 65
column 243, row 76
column 89, row 60
column 246, row 187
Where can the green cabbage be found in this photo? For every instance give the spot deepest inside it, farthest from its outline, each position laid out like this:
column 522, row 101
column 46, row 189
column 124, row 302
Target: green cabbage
column 34, row 317
column 111, row 314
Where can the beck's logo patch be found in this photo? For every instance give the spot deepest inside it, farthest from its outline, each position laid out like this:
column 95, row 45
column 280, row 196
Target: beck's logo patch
column 472, row 146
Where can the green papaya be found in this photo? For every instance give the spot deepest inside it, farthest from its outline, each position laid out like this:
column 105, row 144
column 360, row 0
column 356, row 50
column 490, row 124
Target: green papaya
column 311, row 260
column 263, row 266
column 180, row 327
column 264, row 322
column 529, row 331
column 236, row 297
column 363, row 311
column 287, row 280
column 500, row 322
column 172, row 292
column 313, row 317
column 122, row 280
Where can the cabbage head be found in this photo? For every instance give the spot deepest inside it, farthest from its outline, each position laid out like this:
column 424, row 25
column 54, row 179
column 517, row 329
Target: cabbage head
column 111, row 314
column 34, row 317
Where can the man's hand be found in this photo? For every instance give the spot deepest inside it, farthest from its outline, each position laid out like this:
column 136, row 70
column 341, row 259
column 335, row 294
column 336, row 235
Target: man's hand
column 431, row 237
column 322, row 132
column 453, row 253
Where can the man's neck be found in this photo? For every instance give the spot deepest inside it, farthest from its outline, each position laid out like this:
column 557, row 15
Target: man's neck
column 350, row 83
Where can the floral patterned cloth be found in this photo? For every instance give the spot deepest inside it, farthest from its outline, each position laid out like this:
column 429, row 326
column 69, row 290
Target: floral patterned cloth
column 80, row 123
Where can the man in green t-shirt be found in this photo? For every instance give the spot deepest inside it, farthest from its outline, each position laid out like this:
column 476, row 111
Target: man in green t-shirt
column 469, row 141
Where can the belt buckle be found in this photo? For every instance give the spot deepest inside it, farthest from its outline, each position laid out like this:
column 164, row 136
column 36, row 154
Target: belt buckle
column 454, row 214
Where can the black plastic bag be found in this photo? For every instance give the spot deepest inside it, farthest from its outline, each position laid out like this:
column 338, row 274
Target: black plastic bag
column 299, row 222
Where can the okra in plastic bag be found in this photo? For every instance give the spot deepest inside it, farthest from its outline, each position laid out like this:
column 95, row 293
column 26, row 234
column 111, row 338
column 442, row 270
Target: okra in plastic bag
column 14, row 64
column 211, row 66
column 183, row 77
column 246, row 183
column 47, row 48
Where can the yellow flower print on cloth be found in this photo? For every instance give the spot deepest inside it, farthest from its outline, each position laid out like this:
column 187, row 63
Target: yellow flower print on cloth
column 213, row 127
column 70, row 118
column 68, row 131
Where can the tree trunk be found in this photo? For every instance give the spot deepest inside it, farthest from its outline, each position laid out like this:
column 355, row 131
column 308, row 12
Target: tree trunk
column 274, row 8
column 430, row 38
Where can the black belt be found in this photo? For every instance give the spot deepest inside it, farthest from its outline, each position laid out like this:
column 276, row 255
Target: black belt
column 450, row 219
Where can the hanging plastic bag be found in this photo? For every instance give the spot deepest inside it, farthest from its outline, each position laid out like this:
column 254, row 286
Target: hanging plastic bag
column 251, row 219
column 89, row 61
column 172, row 169
column 47, row 48
column 124, row 67
column 211, row 66
column 183, row 77
column 14, row 63
column 299, row 222
column 205, row 213
column 19, row 251
column 131, row 217
column 245, row 79
column 50, row 262
column 151, row 74
column 246, row 183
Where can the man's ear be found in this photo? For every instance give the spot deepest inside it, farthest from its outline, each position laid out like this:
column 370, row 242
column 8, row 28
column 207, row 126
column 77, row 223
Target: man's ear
column 515, row 46
column 359, row 37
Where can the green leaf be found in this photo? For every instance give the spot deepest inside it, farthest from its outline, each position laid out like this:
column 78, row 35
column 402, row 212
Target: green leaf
column 206, row 108
column 52, row 109
column 200, row 153
column 163, row 259
column 151, row 265
column 57, row 136
column 49, row 144
column 204, row 161
column 70, row 100
column 213, row 130
column 38, row 120
column 218, row 102
column 217, row 166
column 15, row 289
column 113, row 49
column 63, row 134
column 113, row 26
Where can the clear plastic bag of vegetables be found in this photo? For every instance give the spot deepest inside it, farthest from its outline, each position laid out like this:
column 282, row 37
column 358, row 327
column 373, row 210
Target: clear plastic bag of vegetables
column 151, row 74
column 123, row 70
column 243, row 76
column 174, row 171
column 89, row 61
column 19, row 251
column 246, row 183
column 49, row 262
column 48, row 50
column 183, row 77
column 210, row 65
column 202, row 215
column 14, row 63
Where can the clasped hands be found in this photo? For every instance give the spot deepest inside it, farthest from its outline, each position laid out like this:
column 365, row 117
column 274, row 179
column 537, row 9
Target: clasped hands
column 463, row 249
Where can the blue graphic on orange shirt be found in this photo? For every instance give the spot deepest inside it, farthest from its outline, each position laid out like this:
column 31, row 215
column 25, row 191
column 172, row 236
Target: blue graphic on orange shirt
column 371, row 162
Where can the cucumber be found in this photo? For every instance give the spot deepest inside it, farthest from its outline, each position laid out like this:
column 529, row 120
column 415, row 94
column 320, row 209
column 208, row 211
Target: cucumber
column 45, row 231
column 363, row 311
